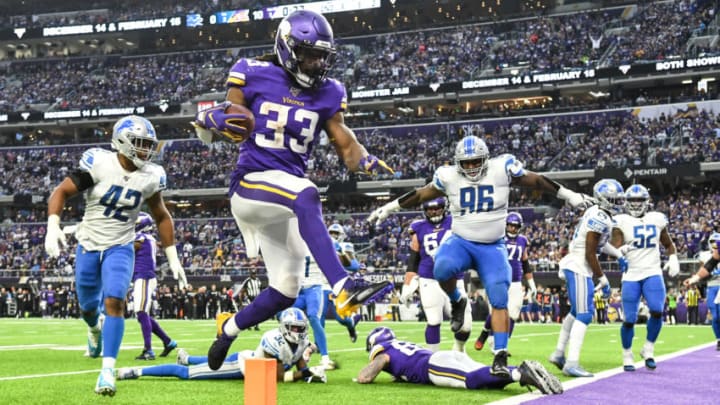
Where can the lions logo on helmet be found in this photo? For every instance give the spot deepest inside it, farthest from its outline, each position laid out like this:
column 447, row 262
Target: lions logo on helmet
column 713, row 240
column 471, row 157
column 637, row 199
column 516, row 220
column 293, row 325
column 336, row 232
column 135, row 138
column 434, row 210
column 301, row 34
column 144, row 222
column 610, row 195
column 378, row 335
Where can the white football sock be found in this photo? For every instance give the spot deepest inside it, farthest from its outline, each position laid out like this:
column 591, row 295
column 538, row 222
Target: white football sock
column 230, row 328
column 337, row 287
column 577, row 336
column 564, row 335
column 108, row 362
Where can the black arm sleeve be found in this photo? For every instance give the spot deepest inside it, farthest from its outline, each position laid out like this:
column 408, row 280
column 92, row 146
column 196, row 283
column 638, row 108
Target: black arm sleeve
column 526, row 267
column 413, row 262
column 711, row 264
column 554, row 183
column 83, row 180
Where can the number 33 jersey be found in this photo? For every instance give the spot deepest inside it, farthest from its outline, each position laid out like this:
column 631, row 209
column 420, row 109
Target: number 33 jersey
column 288, row 118
column 112, row 204
column 644, row 232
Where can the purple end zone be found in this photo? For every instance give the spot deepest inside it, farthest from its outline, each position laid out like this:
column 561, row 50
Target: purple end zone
column 693, row 378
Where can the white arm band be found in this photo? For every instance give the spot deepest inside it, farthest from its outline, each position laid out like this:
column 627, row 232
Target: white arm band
column 612, row 250
column 289, row 376
column 531, row 283
column 54, row 219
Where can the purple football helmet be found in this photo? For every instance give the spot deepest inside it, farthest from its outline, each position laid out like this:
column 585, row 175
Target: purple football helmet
column 144, row 222
column 378, row 335
column 434, row 205
column 513, row 218
column 305, row 33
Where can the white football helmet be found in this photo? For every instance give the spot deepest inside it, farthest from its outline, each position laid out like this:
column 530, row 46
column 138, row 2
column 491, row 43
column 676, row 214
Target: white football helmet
column 337, row 232
column 610, row 195
column 713, row 240
column 472, row 149
column 637, row 199
column 293, row 325
column 135, row 138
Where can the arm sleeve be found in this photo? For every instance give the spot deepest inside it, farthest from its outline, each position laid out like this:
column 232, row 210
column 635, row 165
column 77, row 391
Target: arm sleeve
column 82, row 179
column 413, row 262
column 711, row 264
column 526, row 267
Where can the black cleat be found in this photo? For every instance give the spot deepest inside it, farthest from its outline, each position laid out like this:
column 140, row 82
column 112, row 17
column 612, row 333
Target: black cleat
column 146, row 355
column 350, row 300
column 170, row 347
column 457, row 314
column 499, row 367
column 480, row 342
column 218, row 351
column 718, row 346
column 533, row 374
column 353, row 333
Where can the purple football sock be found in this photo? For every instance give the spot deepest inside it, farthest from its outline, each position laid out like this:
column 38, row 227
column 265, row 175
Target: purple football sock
column 146, row 327
column 265, row 306
column 159, row 332
column 432, row 334
column 512, row 326
column 481, row 378
column 308, row 209
column 488, row 323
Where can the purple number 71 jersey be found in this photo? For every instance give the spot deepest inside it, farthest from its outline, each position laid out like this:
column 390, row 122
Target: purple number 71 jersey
column 288, row 118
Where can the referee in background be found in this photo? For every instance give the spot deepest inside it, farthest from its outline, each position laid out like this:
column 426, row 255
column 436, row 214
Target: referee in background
column 249, row 290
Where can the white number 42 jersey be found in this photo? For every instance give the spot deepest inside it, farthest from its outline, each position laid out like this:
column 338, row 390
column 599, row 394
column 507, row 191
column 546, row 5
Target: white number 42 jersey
column 644, row 232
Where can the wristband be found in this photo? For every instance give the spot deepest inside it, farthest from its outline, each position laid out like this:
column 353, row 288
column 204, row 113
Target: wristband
column 694, row 279
column 54, row 219
column 289, row 376
column 306, row 373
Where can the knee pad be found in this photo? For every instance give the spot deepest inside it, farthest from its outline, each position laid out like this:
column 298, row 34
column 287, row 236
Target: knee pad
column 628, row 325
column 655, row 314
column 462, row 336
column 585, row 318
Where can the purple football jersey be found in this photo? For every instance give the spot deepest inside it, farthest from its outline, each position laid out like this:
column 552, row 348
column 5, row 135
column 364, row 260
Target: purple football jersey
column 408, row 362
column 429, row 236
column 516, row 247
column 288, row 118
column 145, row 256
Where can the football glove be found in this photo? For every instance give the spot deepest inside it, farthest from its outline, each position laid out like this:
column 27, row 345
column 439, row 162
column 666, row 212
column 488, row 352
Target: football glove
column 606, row 291
column 602, row 283
column 672, row 266
column 380, row 214
column 628, row 247
column 309, row 352
column 318, row 375
column 175, row 266
column 214, row 124
column 574, row 199
column 408, row 290
column 533, row 288
column 54, row 236
column 561, row 274
column 623, row 263
column 370, row 163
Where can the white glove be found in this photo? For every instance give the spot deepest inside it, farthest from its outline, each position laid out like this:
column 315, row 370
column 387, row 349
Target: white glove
column 54, row 236
column 318, row 374
column 206, row 136
column 628, row 247
column 672, row 266
column 561, row 274
column 175, row 266
column 533, row 287
column 576, row 200
column 383, row 212
column 309, row 351
column 408, row 290
column 602, row 282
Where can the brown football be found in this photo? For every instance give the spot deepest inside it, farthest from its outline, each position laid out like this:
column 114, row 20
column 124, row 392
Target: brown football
column 248, row 124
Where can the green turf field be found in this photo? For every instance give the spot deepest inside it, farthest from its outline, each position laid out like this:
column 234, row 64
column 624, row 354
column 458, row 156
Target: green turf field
column 41, row 362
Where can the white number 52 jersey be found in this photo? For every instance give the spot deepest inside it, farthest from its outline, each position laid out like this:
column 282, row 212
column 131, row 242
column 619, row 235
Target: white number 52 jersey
column 644, row 233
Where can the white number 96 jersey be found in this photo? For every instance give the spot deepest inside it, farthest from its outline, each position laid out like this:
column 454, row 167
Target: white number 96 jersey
column 274, row 344
column 594, row 220
column 644, row 233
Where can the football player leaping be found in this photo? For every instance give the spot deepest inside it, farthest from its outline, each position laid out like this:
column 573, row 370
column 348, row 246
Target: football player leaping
column 288, row 344
column 411, row 363
column 115, row 185
column 645, row 231
column 478, row 189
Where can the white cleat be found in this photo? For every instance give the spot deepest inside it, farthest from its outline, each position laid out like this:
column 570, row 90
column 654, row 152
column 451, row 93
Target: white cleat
column 128, row 373
column 182, row 357
column 106, row 382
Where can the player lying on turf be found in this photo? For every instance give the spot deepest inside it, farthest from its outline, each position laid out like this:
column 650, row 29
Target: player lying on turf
column 408, row 362
column 288, row 344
